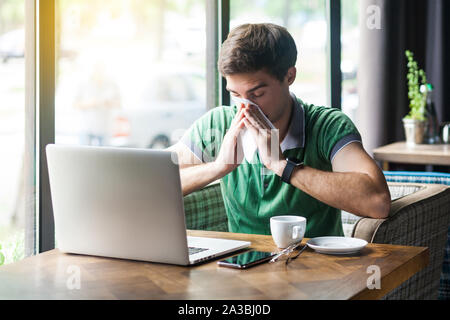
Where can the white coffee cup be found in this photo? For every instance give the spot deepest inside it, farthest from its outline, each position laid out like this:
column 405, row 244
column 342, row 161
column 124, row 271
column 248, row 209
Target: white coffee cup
column 287, row 230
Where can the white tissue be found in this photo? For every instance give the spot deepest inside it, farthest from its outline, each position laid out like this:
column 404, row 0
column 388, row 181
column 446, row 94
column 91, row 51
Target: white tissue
column 247, row 141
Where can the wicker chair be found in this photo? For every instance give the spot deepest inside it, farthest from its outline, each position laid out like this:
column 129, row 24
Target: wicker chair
column 432, row 178
column 407, row 179
column 420, row 218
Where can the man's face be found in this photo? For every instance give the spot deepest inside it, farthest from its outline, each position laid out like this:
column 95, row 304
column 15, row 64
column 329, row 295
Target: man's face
column 269, row 93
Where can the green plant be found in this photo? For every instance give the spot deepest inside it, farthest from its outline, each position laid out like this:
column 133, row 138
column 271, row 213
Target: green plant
column 2, row 257
column 13, row 248
column 417, row 99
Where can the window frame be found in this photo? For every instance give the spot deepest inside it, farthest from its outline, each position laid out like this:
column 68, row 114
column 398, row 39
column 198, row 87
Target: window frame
column 334, row 53
column 29, row 167
column 46, row 119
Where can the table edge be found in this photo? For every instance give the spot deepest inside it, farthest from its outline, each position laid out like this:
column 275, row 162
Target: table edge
column 396, row 277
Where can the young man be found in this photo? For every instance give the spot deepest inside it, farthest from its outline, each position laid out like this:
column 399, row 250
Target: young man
column 314, row 166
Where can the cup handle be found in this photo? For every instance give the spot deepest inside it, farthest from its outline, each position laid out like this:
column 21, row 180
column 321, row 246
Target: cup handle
column 296, row 232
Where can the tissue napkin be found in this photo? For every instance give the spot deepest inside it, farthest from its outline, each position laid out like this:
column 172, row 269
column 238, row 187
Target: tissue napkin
column 247, row 141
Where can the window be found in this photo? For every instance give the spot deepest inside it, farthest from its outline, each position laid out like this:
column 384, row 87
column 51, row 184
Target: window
column 17, row 195
column 127, row 70
column 306, row 20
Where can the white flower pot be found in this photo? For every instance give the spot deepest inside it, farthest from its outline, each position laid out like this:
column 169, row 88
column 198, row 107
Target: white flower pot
column 414, row 131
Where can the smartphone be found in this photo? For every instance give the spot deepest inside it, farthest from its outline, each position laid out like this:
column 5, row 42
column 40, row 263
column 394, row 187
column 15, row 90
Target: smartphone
column 246, row 260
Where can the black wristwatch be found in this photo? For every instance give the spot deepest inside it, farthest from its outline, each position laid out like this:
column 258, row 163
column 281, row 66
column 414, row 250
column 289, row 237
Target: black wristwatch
column 291, row 164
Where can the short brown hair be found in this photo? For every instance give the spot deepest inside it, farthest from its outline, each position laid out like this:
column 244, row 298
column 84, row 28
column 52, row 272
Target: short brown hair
column 253, row 47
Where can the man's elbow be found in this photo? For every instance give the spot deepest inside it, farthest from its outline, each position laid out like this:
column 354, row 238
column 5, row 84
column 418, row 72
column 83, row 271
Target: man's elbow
column 380, row 206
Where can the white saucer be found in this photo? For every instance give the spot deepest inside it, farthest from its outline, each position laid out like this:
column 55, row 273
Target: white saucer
column 337, row 245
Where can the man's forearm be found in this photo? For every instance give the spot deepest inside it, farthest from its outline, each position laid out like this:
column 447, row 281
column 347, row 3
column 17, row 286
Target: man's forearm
column 350, row 191
column 196, row 177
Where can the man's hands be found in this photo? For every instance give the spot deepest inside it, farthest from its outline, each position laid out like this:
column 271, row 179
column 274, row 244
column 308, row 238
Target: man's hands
column 267, row 140
column 230, row 157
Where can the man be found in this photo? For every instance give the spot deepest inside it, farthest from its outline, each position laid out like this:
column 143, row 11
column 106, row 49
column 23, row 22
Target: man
column 318, row 164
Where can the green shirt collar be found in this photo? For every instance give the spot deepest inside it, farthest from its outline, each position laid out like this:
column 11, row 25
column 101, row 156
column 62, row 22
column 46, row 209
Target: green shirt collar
column 295, row 137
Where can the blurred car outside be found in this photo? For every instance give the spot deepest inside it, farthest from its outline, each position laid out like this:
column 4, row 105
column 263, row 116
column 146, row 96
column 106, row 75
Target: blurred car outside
column 169, row 104
column 12, row 45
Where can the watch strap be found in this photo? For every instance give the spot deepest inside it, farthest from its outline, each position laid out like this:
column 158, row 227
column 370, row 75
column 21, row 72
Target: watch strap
column 287, row 172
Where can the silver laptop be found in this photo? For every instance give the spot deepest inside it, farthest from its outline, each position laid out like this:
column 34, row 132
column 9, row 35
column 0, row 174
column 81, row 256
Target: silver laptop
column 124, row 203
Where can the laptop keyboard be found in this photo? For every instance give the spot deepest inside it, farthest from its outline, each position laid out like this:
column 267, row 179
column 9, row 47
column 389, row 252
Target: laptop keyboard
column 193, row 250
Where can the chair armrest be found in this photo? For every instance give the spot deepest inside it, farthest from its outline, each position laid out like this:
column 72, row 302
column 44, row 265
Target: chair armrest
column 366, row 228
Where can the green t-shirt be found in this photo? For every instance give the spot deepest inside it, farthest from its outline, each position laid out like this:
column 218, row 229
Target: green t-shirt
column 253, row 194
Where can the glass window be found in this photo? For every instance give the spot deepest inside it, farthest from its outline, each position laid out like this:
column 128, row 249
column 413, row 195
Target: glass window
column 350, row 56
column 306, row 21
column 14, row 157
column 129, row 73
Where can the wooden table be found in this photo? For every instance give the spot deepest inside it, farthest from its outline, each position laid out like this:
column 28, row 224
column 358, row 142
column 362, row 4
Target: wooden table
column 312, row 276
column 424, row 154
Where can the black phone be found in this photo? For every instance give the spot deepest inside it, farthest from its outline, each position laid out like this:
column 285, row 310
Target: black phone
column 246, row 260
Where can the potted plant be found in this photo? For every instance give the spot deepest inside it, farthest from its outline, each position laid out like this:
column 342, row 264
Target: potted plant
column 414, row 123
